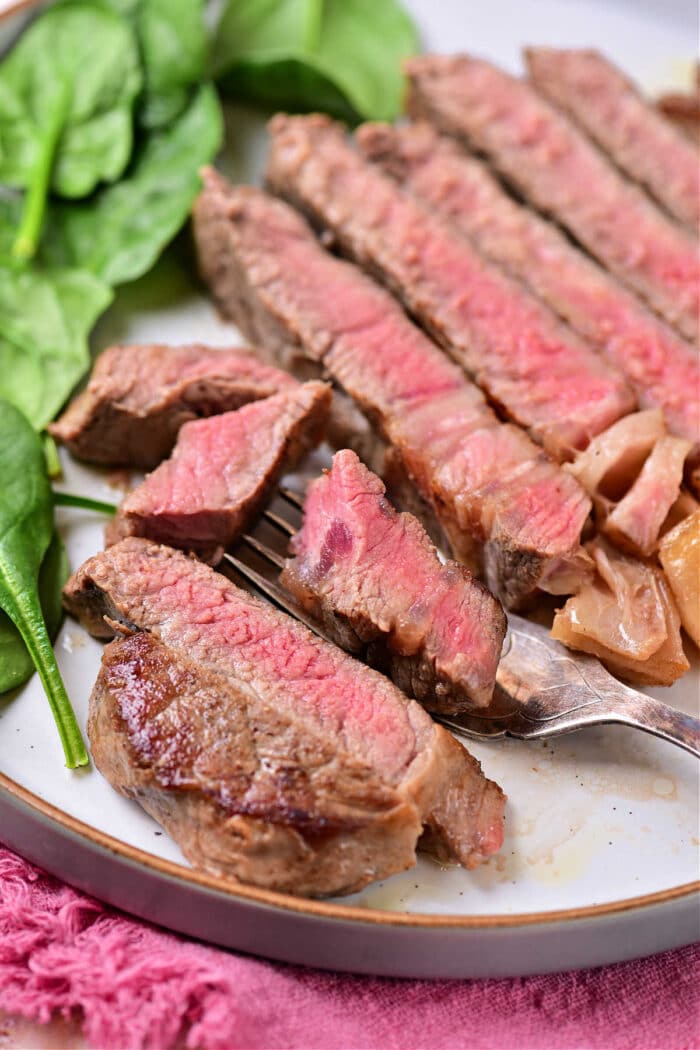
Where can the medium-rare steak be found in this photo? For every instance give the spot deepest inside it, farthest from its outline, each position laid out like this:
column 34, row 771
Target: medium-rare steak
column 374, row 579
column 663, row 370
column 563, row 173
column 246, row 790
column 608, row 106
column 138, row 397
column 223, row 639
column 520, row 520
column 514, row 348
column 223, row 471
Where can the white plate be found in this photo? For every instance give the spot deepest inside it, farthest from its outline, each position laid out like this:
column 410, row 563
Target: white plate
column 602, row 829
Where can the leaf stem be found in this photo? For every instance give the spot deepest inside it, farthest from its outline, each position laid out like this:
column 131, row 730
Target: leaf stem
column 32, row 220
column 67, row 499
column 53, row 463
column 35, row 636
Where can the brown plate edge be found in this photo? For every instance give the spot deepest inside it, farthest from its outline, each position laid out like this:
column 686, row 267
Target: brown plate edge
column 320, row 909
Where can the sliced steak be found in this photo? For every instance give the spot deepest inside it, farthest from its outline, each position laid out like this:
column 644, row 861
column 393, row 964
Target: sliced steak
column 239, row 644
column 247, row 791
column 564, row 174
column 374, row 579
column 223, row 471
column 514, row 348
column 663, row 370
column 270, row 274
column 603, row 101
column 138, row 397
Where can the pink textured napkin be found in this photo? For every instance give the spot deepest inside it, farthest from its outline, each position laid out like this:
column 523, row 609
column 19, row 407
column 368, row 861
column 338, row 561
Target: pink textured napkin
column 138, row 987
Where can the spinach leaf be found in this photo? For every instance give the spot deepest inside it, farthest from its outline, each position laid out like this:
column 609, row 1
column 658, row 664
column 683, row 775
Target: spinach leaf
column 120, row 232
column 45, row 318
column 67, row 91
column 26, row 528
column 15, row 662
column 342, row 56
column 87, row 52
column 173, row 41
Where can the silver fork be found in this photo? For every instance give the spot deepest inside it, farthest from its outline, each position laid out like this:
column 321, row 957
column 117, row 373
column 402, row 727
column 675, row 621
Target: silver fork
column 542, row 689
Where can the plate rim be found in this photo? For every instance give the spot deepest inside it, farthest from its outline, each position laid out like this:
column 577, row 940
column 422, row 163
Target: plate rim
column 314, row 908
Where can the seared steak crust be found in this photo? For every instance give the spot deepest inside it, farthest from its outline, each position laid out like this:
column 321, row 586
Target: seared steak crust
column 223, row 471
column 234, row 638
column 564, row 174
column 374, row 579
column 270, row 274
column 138, row 397
column 246, row 791
column 510, row 343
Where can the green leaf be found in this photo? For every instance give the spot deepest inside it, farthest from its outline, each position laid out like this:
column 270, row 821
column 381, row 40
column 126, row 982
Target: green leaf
column 342, row 56
column 26, row 528
column 45, row 319
column 121, row 231
column 173, row 41
column 89, row 52
column 16, row 665
column 10, row 215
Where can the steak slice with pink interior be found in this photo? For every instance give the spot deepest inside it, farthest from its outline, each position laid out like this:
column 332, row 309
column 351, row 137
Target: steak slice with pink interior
column 238, row 643
column 138, row 397
column 246, row 791
column 603, row 101
column 564, row 174
column 223, row 471
column 270, row 274
column 663, row 370
column 513, row 346
column 374, row 579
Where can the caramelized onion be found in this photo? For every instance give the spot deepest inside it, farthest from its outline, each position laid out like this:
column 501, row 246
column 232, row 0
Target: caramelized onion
column 627, row 617
column 679, row 553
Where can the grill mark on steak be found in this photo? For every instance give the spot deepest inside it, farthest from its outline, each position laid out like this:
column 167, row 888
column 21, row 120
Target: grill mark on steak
column 563, row 174
column 267, row 270
column 607, row 105
column 223, row 471
column 138, row 397
column 662, row 368
column 239, row 642
column 247, row 792
column 510, row 343
column 373, row 578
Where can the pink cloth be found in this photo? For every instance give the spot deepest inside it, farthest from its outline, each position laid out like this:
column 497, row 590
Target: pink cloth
column 138, row 987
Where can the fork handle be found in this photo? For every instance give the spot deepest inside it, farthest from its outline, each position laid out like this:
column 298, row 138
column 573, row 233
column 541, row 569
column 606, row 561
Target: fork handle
column 657, row 718
column 628, row 707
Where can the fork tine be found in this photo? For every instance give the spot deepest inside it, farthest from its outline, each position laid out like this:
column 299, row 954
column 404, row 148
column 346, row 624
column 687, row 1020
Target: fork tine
column 277, row 595
column 292, row 497
column 280, row 523
column 265, row 552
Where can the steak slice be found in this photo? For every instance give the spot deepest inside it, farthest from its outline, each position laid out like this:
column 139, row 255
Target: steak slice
column 270, row 274
column 237, row 642
column 663, row 370
column 514, row 348
column 223, row 471
column 247, row 791
column 608, row 106
column 564, row 174
column 138, row 397
column 374, row 579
